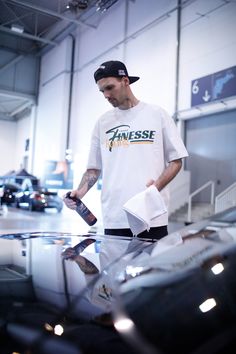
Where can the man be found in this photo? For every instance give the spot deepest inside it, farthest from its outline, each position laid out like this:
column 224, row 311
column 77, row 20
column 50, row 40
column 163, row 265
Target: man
column 135, row 145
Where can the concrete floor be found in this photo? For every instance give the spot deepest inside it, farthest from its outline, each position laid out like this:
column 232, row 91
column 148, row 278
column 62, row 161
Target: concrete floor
column 14, row 220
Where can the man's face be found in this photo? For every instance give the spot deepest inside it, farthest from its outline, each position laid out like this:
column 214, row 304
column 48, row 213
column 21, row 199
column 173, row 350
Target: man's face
column 114, row 90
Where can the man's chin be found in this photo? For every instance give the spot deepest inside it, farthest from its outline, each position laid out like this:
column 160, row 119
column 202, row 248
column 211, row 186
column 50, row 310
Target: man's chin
column 113, row 103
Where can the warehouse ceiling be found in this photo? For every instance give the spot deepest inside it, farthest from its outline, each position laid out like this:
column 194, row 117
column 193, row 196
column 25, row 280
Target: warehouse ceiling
column 28, row 26
column 32, row 27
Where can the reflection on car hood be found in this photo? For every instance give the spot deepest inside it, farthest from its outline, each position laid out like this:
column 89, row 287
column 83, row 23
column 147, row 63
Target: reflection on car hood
column 177, row 294
column 183, row 299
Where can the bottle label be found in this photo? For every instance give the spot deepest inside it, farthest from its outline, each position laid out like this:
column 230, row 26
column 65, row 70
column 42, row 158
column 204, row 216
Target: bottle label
column 85, row 213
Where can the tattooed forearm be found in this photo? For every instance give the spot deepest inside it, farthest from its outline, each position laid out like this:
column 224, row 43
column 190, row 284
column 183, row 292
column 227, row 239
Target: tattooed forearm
column 89, row 178
column 85, row 265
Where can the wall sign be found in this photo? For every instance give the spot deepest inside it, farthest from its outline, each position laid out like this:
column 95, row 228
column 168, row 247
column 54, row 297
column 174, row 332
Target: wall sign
column 214, row 87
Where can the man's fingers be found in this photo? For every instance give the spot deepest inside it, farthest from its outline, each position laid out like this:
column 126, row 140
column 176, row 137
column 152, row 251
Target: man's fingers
column 150, row 182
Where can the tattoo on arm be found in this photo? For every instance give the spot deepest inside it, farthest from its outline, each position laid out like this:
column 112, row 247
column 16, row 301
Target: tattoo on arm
column 91, row 181
column 86, row 266
column 89, row 178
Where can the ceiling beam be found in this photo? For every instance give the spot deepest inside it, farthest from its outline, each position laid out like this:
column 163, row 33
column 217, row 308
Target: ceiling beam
column 48, row 12
column 11, row 63
column 5, row 116
column 20, row 108
column 17, row 95
column 27, row 35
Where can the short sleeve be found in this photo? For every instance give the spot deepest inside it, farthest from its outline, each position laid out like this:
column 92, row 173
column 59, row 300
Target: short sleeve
column 173, row 145
column 94, row 157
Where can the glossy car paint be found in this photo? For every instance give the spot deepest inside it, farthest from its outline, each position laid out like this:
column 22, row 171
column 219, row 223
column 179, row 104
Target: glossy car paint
column 177, row 295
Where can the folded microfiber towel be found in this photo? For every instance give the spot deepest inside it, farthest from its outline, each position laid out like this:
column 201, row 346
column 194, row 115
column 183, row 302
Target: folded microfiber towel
column 142, row 208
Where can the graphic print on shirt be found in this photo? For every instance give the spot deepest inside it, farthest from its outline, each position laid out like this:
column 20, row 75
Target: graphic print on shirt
column 122, row 136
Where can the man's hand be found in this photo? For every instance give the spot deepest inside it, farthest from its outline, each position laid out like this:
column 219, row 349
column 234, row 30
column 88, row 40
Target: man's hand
column 70, row 203
column 150, row 182
column 69, row 253
column 89, row 178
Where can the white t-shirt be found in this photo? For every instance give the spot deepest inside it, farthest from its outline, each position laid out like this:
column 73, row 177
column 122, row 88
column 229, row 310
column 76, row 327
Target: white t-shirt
column 131, row 147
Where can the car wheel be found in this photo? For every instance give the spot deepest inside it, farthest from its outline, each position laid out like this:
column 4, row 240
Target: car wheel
column 31, row 208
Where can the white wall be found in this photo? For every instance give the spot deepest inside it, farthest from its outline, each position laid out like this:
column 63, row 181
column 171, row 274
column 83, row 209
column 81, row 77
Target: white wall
column 5, row 252
column 12, row 143
column 11, row 253
column 52, row 110
column 22, row 133
column 7, row 146
column 207, row 43
column 156, row 65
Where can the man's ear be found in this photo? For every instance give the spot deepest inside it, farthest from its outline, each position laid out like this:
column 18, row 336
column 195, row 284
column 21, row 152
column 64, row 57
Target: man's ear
column 126, row 80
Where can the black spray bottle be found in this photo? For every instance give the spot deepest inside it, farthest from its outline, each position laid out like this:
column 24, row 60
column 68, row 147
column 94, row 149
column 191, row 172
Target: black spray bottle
column 83, row 211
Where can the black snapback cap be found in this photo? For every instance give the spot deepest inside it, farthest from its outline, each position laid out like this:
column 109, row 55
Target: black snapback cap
column 113, row 68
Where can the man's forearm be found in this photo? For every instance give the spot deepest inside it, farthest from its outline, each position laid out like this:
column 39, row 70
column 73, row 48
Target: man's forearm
column 168, row 174
column 89, row 178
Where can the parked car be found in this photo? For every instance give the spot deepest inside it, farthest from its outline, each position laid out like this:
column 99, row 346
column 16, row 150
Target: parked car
column 82, row 294
column 40, row 200
column 9, row 191
column 182, row 299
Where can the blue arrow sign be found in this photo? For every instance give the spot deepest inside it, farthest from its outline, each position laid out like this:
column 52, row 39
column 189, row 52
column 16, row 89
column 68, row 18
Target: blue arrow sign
column 214, row 87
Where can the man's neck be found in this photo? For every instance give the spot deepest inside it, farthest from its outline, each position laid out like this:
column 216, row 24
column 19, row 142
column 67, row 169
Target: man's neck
column 129, row 103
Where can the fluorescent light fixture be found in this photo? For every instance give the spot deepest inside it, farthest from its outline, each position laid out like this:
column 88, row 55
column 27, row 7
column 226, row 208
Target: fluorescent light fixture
column 207, row 305
column 124, row 325
column 48, row 327
column 133, row 271
column 217, row 268
column 58, row 330
column 17, row 28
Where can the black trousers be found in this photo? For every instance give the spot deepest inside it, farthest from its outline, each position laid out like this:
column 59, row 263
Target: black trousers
column 154, row 233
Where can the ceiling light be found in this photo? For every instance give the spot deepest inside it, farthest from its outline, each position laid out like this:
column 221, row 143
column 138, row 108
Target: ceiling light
column 17, row 28
column 104, row 5
column 83, row 4
column 75, row 5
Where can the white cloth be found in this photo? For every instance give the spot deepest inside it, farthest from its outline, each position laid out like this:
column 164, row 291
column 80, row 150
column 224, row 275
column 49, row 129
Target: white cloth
column 142, row 208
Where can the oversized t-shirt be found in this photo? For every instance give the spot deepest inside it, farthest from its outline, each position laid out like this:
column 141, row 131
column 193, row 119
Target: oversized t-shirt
column 131, row 147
